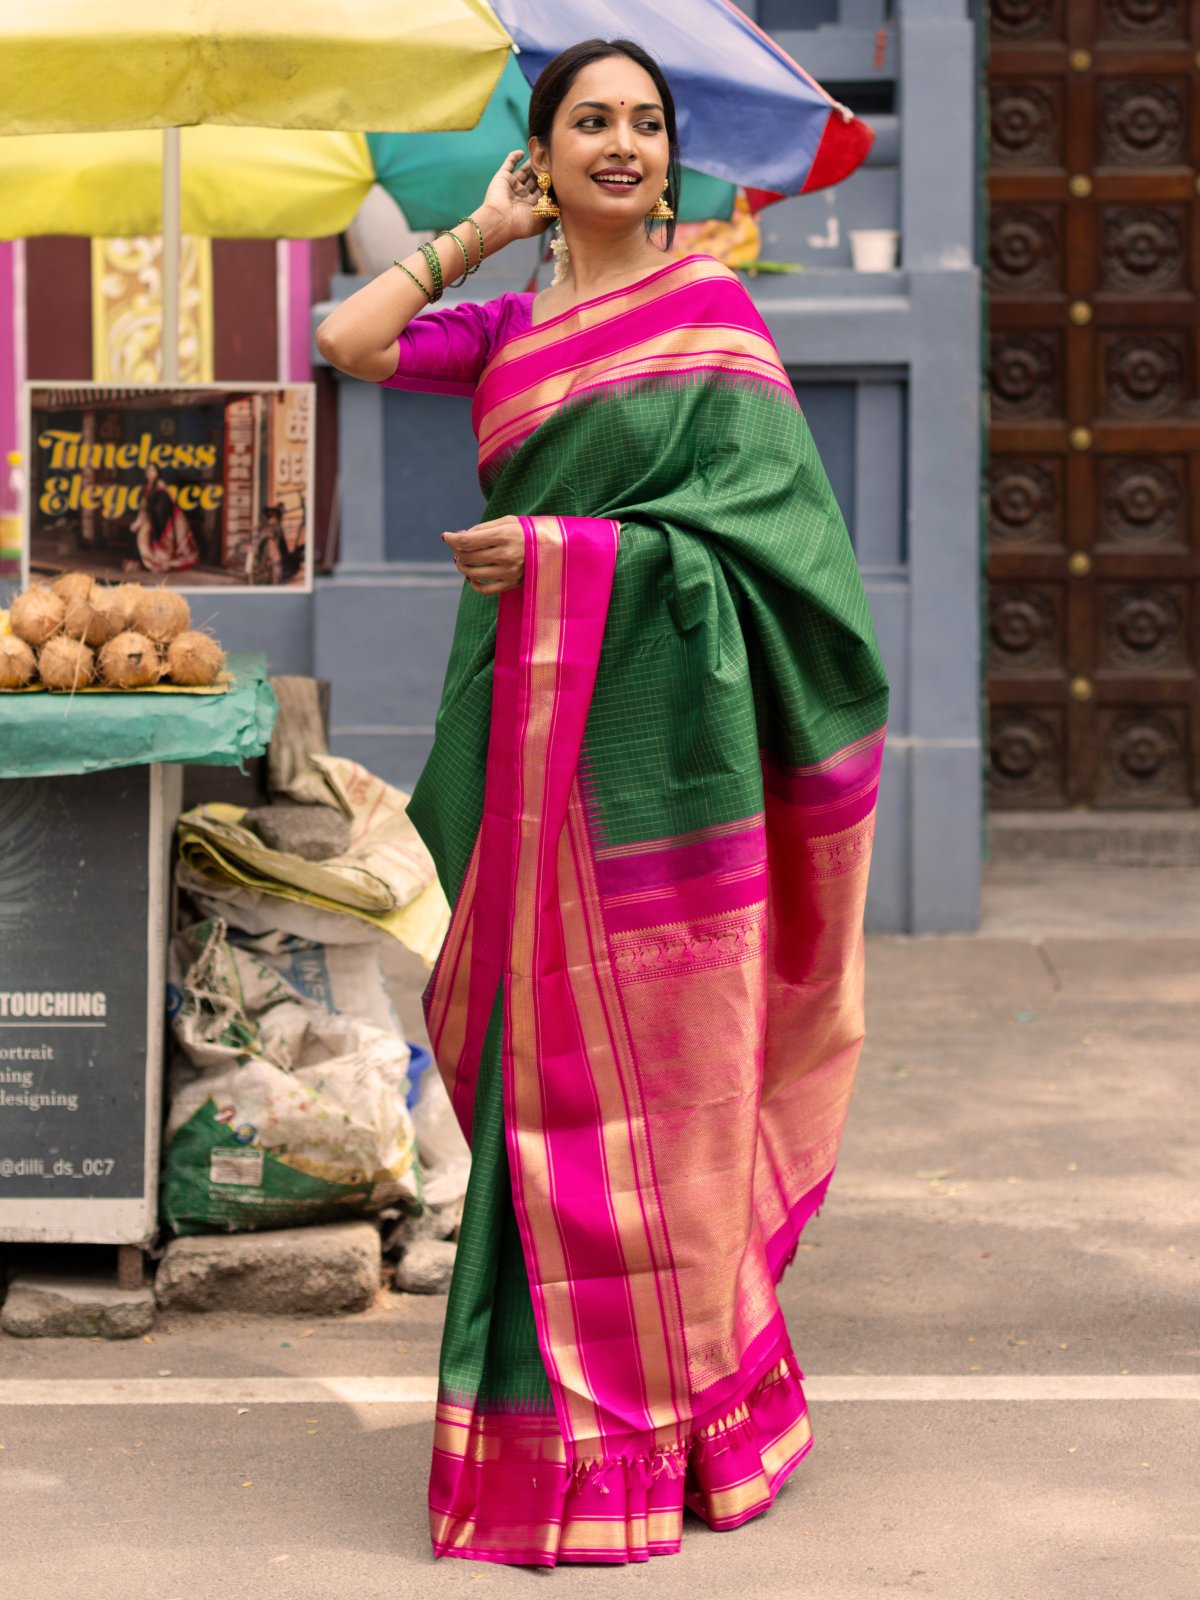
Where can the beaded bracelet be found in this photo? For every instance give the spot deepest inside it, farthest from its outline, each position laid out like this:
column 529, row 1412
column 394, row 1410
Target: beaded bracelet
column 433, row 260
column 479, row 231
column 449, row 233
column 428, row 295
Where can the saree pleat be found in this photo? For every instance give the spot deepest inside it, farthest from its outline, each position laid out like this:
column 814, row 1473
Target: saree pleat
column 651, row 801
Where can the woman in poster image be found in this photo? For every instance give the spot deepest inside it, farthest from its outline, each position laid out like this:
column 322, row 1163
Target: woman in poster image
column 651, row 800
column 165, row 542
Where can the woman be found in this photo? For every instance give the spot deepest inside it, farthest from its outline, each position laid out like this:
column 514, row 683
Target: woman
column 650, row 799
column 164, row 540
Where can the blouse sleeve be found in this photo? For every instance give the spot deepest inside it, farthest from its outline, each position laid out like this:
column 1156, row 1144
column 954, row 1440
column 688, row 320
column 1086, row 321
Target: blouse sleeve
column 443, row 352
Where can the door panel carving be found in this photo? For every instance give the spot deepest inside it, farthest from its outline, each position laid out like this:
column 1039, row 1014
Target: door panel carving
column 1025, row 629
column 1142, row 628
column 1025, row 375
column 1142, row 248
column 1024, row 255
column 1025, row 501
column 1026, row 125
column 1142, row 20
column 1143, row 123
column 1026, row 19
column 1145, row 375
column 1142, row 501
column 1028, row 757
column 1143, row 758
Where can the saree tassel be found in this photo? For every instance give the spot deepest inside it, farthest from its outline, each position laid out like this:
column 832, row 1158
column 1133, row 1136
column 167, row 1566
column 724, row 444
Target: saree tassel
column 593, row 1472
column 669, row 1464
column 645, row 1469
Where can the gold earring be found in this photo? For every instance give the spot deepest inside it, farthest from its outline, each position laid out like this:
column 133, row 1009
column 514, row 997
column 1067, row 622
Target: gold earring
column 661, row 211
column 544, row 206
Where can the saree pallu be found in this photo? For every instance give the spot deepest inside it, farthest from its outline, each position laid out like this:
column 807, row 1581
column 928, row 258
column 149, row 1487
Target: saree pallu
column 651, row 799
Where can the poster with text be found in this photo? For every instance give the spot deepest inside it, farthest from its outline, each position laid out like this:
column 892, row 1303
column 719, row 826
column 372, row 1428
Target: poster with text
column 83, row 924
column 204, row 487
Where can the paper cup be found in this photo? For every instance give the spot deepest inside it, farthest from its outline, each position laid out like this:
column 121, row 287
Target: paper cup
column 874, row 249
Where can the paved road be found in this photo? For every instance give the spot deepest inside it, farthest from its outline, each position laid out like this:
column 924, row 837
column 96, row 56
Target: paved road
column 1015, row 1206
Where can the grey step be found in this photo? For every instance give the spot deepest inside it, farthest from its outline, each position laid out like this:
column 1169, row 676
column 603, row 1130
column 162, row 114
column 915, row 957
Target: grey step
column 1111, row 838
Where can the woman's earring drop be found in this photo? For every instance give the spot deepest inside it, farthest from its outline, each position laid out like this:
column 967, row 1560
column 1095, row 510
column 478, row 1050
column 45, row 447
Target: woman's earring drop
column 562, row 257
column 544, row 206
column 661, row 211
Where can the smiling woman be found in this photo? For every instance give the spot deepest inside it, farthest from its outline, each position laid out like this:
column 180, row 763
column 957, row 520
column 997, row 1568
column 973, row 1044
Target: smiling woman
column 651, row 801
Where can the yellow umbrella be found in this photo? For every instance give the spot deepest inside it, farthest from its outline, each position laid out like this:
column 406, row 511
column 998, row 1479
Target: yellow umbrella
column 238, row 183
column 406, row 66
column 72, row 66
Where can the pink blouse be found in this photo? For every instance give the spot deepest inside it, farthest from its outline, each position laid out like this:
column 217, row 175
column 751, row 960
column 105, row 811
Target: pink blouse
column 444, row 351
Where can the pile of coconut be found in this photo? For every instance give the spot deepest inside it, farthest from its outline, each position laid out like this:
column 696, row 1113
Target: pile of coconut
column 76, row 632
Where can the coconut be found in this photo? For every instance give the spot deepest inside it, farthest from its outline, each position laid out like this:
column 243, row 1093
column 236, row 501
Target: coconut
column 18, row 664
column 161, row 615
column 86, row 617
column 36, row 616
column 124, row 596
column 73, row 586
column 194, row 659
column 108, row 605
column 130, row 661
column 66, row 663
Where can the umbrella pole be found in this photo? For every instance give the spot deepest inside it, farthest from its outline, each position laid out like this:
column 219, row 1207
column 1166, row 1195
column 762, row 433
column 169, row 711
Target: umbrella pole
column 171, row 225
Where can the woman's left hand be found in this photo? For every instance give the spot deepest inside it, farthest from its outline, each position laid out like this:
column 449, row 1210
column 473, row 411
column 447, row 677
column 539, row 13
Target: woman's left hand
column 491, row 555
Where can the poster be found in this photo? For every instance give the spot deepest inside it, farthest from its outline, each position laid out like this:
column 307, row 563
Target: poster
column 127, row 310
column 203, row 488
column 83, row 874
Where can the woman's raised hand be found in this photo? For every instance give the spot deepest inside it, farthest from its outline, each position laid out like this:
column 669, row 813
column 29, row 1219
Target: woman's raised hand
column 510, row 197
column 491, row 555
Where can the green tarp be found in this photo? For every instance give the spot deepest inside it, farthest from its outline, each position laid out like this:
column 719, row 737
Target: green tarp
column 50, row 735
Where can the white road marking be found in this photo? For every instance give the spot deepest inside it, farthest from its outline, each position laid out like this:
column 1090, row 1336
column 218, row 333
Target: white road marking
column 985, row 1386
column 423, row 1390
column 216, row 1391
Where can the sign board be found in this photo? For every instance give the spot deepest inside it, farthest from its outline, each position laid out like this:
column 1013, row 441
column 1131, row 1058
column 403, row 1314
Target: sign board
column 209, row 487
column 83, row 925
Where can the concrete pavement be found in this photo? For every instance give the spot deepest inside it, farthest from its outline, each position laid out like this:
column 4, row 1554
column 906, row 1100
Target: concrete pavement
column 1016, row 1201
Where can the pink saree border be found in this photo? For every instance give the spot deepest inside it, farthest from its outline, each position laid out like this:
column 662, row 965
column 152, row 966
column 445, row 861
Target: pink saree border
column 548, row 642
column 835, row 781
column 501, row 1489
column 627, row 337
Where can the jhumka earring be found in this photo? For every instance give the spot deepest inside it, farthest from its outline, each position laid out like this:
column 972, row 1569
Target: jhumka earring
column 544, row 206
column 661, row 211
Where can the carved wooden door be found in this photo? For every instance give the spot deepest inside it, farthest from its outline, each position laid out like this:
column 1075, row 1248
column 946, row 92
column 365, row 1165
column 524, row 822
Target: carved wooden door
column 1094, row 544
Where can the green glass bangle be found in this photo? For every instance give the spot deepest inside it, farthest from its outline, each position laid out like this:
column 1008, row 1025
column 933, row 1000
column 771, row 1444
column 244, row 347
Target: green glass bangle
column 449, row 233
column 433, row 261
column 479, row 231
column 414, row 278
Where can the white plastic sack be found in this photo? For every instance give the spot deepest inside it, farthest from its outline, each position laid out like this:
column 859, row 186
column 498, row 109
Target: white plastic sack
column 344, row 978
column 445, row 1154
column 281, row 1111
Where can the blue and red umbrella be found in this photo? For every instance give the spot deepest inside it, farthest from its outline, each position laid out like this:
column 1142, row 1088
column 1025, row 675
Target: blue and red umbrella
column 748, row 113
